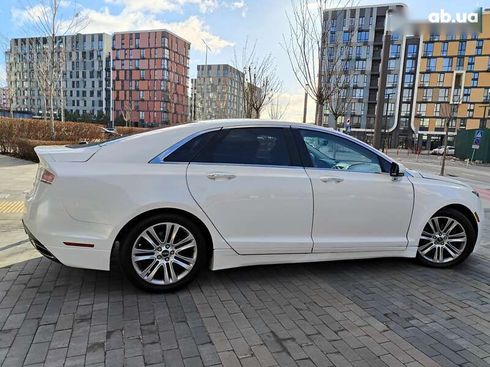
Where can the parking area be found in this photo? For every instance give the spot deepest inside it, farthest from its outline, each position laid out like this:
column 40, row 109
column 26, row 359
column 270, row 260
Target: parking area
column 386, row 312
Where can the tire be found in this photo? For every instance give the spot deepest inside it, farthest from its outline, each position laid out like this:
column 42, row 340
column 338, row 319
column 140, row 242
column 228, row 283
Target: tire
column 447, row 239
column 153, row 257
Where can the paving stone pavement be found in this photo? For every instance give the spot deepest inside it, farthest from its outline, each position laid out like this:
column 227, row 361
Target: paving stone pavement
column 386, row 312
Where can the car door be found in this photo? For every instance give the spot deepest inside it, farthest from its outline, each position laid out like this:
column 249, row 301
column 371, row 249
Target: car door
column 250, row 183
column 358, row 206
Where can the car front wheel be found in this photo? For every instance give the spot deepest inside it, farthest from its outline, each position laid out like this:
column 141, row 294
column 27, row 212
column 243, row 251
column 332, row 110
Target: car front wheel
column 447, row 239
column 163, row 252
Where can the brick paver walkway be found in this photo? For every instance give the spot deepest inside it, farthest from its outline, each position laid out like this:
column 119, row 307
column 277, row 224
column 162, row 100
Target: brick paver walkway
column 389, row 312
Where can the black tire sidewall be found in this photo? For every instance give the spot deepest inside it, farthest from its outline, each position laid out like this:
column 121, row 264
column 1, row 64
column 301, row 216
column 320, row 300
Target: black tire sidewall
column 470, row 234
column 131, row 236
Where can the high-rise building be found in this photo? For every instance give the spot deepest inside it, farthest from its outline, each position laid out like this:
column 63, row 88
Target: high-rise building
column 354, row 39
column 4, row 100
column 150, row 78
column 217, row 93
column 85, row 84
column 454, row 70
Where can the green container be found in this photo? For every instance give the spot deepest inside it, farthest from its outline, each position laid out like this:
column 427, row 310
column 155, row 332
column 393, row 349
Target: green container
column 463, row 145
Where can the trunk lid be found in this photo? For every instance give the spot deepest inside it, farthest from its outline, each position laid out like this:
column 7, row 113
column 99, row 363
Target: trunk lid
column 71, row 153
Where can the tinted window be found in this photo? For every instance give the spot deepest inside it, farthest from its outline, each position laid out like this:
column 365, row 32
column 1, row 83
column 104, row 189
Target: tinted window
column 190, row 149
column 333, row 152
column 258, row 146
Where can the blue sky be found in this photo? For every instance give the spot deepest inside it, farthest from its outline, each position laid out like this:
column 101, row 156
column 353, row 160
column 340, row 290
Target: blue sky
column 224, row 24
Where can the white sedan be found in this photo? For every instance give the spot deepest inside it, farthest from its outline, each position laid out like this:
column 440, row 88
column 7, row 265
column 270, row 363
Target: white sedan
column 234, row 193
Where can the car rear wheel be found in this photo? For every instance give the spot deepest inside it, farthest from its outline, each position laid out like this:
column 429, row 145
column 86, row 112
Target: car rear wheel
column 447, row 239
column 163, row 252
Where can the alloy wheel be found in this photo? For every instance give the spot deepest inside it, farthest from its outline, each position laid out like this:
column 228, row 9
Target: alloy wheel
column 164, row 253
column 443, row 240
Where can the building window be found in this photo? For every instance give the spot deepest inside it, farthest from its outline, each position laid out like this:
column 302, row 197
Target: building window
column 360, row 65
column 471, row 110
column 479, row 47
column 447, row 64
column 346, row 37
column 461, row 48
column 362, row 19
column 486, row 95
column 427, row 96
column 421, row 108
column 333, row 37
column 357, row 93
column 142, row 117
column 392, row 80
column 439, row 123
column 474, row 79
column 431, row 64
column 440, row 79
column 362, row 36
column 428, row 49
column 408, row 80
column 142, row 74
column 142, row 95
column 407, row 95
column 424, row 79
column 410, row 66
column 391, row 64
column 444, row 46
column 395, row 51
column 460, row 63
column 471, row 63
column 405, row 111
column 434, row 37
column 437, row 109
column 466, row 94
column 411, row 51
column 424, row 122
column 443, row 94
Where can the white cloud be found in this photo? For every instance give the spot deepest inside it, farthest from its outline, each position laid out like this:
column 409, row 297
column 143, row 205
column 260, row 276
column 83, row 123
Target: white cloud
column 238, row 5
column 28, row 15
column 193, row 29
column 157, row 6
column 293, row 104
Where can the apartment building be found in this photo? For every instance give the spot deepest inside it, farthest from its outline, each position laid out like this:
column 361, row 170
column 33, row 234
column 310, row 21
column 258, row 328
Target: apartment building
column 4, row 100
column 150, row 71
column 217, row 93
column 357, row 34
column 85, row 60
column 454, row 69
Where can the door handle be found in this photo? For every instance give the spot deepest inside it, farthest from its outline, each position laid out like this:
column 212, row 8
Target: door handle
column 331, row 179
column 221, row 176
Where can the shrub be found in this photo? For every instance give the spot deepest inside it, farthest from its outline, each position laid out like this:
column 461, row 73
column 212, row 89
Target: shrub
column 19, row 136
column 25, row 147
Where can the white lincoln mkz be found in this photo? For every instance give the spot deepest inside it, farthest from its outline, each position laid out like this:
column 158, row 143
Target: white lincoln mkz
column 233, row 193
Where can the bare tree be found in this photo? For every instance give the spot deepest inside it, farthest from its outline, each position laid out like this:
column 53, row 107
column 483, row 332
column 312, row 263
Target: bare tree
column 340, row 98
column 277, row 110
column 50, row 20
column 316, row 59
column 128, row 107
column 448, row 111
column 259, row 82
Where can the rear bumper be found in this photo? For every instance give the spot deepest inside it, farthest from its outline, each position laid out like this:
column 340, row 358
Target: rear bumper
column 39, row 246
column 61, row 238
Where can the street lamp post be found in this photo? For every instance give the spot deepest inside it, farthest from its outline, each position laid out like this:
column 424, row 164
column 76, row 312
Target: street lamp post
column 305, row 106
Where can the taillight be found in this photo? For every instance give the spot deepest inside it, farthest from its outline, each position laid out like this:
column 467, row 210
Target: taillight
column 47, row 177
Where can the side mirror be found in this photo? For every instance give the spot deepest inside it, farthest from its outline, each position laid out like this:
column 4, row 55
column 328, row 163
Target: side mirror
column 396, row 170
